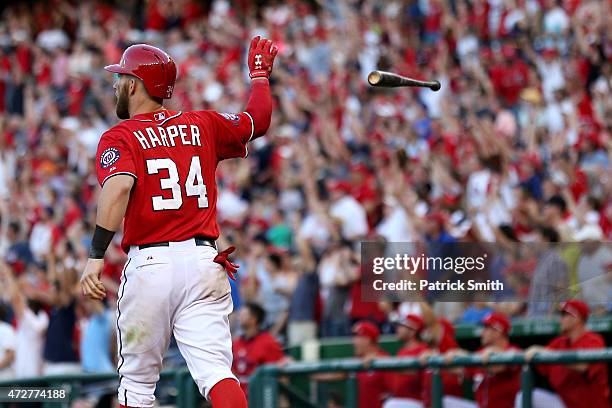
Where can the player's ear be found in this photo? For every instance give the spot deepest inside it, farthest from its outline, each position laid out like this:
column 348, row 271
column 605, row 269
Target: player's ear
column 132, row 86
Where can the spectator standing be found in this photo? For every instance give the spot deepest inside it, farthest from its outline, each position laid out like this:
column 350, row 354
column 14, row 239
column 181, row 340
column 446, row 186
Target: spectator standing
column 350, row 213
column 60, row 351
column 302, row 324
column 336, row 274
column 18, row 253
column 7, row 346
column 550, row 280
column 275, row 285
column 32, row 322
column 42, row 235
column 594, row 266
column 97, row 338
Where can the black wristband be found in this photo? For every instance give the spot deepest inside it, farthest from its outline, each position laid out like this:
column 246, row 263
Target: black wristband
column 100, row 241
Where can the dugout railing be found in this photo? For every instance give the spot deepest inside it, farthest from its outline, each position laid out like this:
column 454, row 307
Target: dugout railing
column 265, row 386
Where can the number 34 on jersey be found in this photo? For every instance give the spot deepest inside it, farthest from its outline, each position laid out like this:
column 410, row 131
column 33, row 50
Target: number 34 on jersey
column 194, row 184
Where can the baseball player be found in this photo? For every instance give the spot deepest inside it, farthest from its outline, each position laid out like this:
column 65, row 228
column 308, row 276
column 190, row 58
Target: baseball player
column 157, row 169
column 372, row 385
column 575, row 385
column 440, row 334
column 494, row 386
column 406, row 385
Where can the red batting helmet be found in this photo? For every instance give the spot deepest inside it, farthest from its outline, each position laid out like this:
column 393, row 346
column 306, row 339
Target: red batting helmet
column 153, row 66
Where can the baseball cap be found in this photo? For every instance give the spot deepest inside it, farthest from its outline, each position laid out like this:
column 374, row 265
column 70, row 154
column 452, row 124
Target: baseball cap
column 497, row 321
column 576, row 308
column 412, row 321
column 437, row 216
column 366, row 329
column 339, row 186
column 549, row 52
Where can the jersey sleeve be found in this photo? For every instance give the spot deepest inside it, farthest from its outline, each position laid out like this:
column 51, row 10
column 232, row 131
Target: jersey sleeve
column 114, row 156
column 230, row 132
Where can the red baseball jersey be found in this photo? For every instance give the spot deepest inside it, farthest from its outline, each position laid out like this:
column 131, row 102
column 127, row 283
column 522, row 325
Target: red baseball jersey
column 576, row 388
column 496, row 390
column 452, row 383
column 251, row 353
column 372, row 386
column 408, row 384
column 172, row 157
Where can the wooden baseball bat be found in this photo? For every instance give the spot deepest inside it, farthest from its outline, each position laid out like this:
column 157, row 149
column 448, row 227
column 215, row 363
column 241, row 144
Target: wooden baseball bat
column 390, row 80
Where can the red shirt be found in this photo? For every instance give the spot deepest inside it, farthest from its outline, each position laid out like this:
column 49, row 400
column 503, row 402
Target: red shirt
column 252, row 353
column 408, row 384
column 509, row 80
column 497, row 390
column 372, row 386
column 452, row 383
column 579, row 389
column 173, row 157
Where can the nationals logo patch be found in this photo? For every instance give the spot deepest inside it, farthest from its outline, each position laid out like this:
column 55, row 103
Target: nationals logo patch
column 109, row 157
column 232, row 117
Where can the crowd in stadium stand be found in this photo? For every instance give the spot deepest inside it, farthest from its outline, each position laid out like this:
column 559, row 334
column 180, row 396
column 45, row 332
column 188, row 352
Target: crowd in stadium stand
column 515, row 148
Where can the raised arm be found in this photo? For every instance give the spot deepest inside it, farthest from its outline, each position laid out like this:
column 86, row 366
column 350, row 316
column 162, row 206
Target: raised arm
column 259, row 107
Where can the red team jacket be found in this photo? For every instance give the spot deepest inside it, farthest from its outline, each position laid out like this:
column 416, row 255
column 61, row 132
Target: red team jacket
column 452, row 383
column 408, row 384
column 172, row 157
column 496, row 390
column 579, row 389
column 372, row 386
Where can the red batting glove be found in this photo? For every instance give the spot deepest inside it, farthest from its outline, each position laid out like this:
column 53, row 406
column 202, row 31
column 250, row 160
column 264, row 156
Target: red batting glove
column 223, row 259
column 261, row 57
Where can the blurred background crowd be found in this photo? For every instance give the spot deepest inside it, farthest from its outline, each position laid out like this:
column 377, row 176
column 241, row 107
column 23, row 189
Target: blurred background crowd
column 516, row 147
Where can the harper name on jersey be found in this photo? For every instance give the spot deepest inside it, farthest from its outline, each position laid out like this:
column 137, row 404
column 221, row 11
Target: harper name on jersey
column 158, row 136
column 172, row 157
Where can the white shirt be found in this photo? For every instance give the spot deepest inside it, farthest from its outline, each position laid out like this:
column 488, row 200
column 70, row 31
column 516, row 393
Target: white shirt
column 7, row 342
column 477, row 186
column 595, row 286
column 552, row 77
column 230, row 206
column 352, row 215
column 31, row 330
column 554, row 117
column 40, row 240
column 395, row 227
column 315, row 230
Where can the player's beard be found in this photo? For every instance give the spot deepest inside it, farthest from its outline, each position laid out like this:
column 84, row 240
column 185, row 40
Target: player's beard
column 122, row 109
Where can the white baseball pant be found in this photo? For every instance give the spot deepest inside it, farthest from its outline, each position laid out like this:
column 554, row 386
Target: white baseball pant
column 541, row 398
column 402, row 403
column 164, row 290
